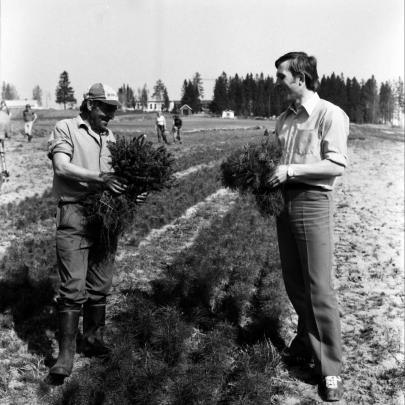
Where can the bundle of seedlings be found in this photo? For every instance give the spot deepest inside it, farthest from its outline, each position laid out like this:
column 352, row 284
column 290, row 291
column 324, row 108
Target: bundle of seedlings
column 248, row 170
column 144, row 168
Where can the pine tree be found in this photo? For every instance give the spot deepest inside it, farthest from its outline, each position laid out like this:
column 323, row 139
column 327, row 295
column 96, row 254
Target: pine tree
column 386, row 103
column 161, row 94
column 166, row 100
column 369, row 100
column 191, row 92
column 8, row 92
column 64, row 91
column 220, row 100
column 235, row 94
column 126, row 96
column 187, row 94
column 355, row 113
column 249, row 92
column 37, row 94
column 158, row 90
column 144, row 96
column 198, row 84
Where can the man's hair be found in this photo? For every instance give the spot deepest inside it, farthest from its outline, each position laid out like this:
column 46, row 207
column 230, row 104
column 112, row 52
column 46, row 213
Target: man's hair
column 302, row 64
column 83, row 107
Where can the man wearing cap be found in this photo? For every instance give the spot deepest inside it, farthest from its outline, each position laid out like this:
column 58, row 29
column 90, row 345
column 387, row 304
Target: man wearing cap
column 29, row 118
column 313, row 135
column 81, row 162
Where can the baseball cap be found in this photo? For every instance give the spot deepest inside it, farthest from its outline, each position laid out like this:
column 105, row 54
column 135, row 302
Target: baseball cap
column 102, row 92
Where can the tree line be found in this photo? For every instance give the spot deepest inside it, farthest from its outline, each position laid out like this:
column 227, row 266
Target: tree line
column 253, row 95
column 363, row 101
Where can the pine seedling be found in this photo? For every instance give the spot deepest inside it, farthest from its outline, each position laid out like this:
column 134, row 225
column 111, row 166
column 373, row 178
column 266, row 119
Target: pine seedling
column 248, row 170
column 144, row 168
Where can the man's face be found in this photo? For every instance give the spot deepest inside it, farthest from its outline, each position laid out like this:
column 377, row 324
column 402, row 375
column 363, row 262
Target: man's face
column 287, row 83
column 100, row 115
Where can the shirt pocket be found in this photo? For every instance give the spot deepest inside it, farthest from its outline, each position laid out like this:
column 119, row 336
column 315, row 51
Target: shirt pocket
column 307, row 142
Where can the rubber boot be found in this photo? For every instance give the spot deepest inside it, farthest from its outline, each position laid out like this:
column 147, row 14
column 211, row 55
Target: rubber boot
column 93, row 330
column 68, row 325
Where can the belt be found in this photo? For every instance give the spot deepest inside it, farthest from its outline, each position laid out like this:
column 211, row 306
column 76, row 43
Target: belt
column 303, row 187
column 62, row 203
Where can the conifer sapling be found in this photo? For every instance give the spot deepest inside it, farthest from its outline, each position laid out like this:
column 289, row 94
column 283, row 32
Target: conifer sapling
column 144, row 168
column 248, row 169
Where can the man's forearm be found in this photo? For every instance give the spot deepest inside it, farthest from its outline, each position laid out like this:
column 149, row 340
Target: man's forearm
column 77, row 173
column 319, row 170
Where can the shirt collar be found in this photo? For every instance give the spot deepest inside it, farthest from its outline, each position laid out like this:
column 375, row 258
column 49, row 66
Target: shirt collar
column 308, row 106
column 81, row 122
column 311, row 103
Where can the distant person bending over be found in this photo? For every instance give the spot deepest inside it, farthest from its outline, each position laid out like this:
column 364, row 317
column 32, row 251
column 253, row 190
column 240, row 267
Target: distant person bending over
column 161, row 128
column 81, row 162
column 29, row 119
column 313, row 135
column 177, row 123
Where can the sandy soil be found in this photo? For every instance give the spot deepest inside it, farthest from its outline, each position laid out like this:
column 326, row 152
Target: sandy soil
column 369, row 259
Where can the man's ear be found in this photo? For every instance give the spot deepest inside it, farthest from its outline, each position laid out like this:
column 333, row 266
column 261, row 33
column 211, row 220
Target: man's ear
column 301, row 78
column 89, row 105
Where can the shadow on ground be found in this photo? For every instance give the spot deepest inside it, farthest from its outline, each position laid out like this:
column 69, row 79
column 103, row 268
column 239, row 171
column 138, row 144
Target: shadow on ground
column 28, row 277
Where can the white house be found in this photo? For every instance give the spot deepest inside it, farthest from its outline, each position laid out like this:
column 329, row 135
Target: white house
column 22, row 103
column 228, row 114
column 154, row 104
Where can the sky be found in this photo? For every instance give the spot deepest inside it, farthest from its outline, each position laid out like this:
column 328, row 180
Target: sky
column 140, row 41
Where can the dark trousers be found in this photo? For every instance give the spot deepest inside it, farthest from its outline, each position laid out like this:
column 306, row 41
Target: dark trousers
column 306, row 249
column 82, row 278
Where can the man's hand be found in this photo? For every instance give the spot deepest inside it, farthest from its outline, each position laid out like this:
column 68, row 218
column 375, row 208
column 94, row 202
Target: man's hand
column 113, row 183
column 278, row 177
column 141, row 198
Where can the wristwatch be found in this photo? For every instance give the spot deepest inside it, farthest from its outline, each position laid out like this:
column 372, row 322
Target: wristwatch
column 290, row 172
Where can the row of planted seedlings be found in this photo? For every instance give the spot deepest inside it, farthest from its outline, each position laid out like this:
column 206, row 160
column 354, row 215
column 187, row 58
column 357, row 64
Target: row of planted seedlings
column 28, row 274
column 208, row 331
column 29, row 279
column 29, row 262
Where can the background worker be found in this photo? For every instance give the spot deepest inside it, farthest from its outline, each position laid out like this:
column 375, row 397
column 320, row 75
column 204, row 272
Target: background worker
column 4, row 133
column 81, row 163
column 313, row 135
column 161, row 128
column 29, row 118
column 177, row 124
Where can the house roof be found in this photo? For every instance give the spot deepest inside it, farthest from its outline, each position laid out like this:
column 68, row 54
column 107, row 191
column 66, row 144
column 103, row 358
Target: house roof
column 185, row 106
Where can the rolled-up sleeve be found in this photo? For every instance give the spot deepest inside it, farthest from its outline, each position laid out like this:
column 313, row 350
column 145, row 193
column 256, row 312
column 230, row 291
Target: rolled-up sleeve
column 334, row 137
column 60, row 140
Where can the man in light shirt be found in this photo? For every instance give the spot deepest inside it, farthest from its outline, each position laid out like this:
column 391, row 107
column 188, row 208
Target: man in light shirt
column 161, row 128
column 78, row 148
column 313, row 135
column 29, row 118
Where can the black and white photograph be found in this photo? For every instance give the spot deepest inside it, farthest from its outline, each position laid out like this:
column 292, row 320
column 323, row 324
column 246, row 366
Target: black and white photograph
column 202, row 202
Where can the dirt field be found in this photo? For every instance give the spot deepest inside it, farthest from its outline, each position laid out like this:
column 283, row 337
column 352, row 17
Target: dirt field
column 369, row 267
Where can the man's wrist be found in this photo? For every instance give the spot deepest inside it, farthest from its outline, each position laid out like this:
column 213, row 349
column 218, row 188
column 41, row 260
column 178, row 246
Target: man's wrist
column 290, row 172
column 101, row 177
